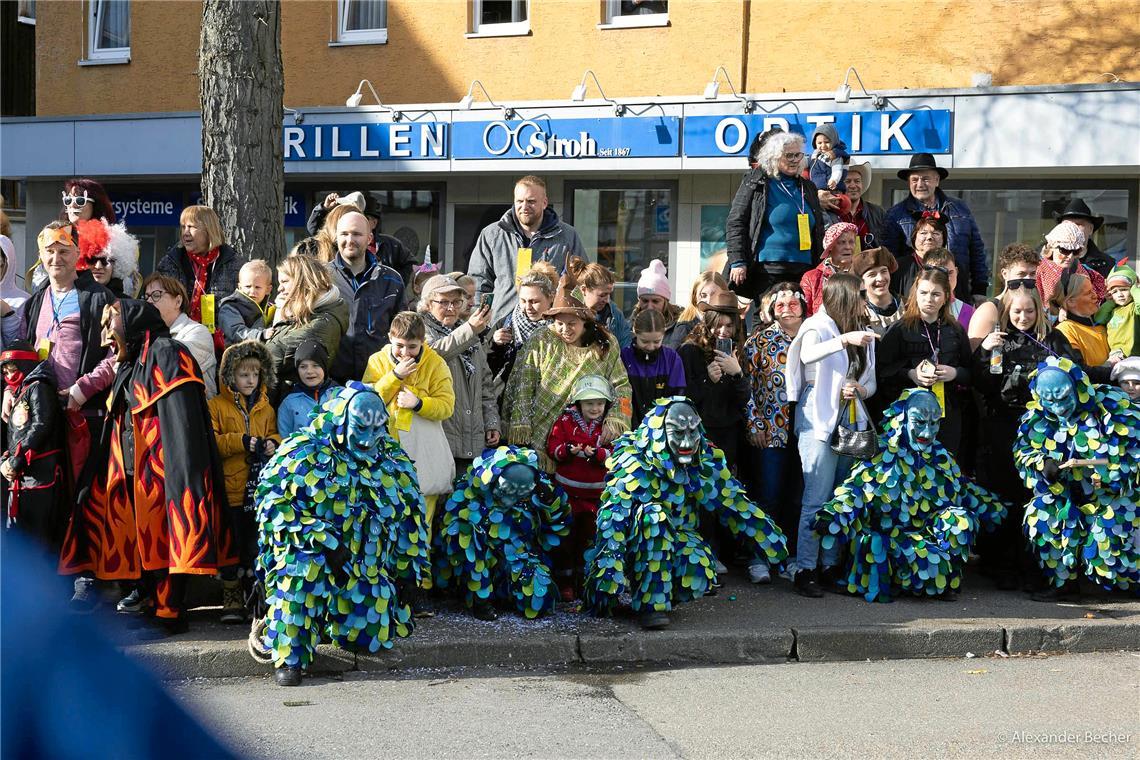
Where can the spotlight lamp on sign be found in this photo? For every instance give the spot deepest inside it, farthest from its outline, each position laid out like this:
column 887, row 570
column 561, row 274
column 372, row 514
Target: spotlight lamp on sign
column 298, row 117
column 468, row 100
column 579, row 93
column 843, row 92
column 712, row 90
column 354, row 100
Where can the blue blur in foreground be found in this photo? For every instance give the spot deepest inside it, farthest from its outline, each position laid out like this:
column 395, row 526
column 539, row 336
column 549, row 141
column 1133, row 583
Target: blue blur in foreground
column 66, row 691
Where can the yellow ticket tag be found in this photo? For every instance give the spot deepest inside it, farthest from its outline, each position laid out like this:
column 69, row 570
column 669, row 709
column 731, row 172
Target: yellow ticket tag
column 939, row 391
column 404, row 419
column 858, row 244
column 805, row 231
column 208, row 311
column 523, row 260
column 43, row 348
column 852, row 413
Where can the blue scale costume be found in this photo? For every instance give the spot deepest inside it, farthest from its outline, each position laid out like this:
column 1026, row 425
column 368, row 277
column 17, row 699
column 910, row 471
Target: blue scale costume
column 1088, row 521
column 500, row 553
column 647, row 543
column 909, row 517
column 318, row 496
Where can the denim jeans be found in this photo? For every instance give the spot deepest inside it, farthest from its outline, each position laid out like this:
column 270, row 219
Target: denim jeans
column 823, row 471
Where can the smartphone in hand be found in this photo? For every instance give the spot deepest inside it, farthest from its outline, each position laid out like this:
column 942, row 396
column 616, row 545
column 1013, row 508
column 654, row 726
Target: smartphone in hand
column 486, row 300
column 724, row 345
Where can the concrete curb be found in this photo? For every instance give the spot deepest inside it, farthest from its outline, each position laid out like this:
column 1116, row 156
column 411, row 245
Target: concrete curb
column 175, row 660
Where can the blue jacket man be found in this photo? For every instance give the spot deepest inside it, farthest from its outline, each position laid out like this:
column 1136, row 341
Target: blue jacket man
column 965, row 239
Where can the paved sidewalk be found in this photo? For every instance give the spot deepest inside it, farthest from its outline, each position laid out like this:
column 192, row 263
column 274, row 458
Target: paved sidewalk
column 742, row 624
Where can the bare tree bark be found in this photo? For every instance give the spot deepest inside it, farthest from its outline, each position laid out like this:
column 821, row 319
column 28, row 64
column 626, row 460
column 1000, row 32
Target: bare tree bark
column 242, row 87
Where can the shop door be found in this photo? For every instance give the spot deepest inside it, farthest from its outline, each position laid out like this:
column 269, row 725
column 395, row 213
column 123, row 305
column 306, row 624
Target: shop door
column 624, row 227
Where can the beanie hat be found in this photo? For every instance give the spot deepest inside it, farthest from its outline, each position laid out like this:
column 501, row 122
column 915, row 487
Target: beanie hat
column 834, row 232
column 312, row 350
column 825, row 129
column 872, row 258
column 1126, row 369
column 654, row 281
column 1122, row 272
column 1067, row 235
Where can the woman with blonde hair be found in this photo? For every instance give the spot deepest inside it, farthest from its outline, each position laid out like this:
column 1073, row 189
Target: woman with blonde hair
column 205, row 265
column 704, row 289
column 309, row 307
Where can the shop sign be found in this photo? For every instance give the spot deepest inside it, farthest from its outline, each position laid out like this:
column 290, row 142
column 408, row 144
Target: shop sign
column 147, row 209
column 622, row 137
column 295, row 213
column 366, row 142
column 873, row 133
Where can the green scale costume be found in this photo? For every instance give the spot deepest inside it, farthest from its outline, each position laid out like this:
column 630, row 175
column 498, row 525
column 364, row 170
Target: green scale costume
column 494, row 542
column 647, row 543
column 340, row 526
column 1083, row 520
column 907, row 514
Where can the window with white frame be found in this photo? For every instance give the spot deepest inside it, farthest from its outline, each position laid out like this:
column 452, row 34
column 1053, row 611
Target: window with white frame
column 26, row 12
column 109, row 30
column 499, row 18
column 625, row 13
column 362, row 21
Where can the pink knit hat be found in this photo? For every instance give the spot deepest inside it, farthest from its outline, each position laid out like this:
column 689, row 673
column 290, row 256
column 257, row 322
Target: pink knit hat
column 654, row 281
column 1067, row 235
column 833, row 233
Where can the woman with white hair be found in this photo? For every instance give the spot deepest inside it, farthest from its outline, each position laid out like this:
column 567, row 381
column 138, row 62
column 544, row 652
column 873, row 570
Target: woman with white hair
column 775, row 226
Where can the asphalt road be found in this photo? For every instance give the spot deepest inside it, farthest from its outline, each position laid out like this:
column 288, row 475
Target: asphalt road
column 1079, row 706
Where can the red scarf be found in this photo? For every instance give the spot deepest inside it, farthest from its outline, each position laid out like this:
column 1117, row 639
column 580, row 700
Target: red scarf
column 201, row 263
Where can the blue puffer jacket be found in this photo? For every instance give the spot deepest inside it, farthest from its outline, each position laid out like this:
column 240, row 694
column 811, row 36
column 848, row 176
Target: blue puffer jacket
column 965, row 240
column 299, row 404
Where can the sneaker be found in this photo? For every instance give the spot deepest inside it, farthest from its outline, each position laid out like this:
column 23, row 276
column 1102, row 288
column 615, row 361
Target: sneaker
column 652, row 620
column 758, row 572
column 131, row 604
column 484, row 611
column 806, row 584
column 288, row 675
column 720, row 568
column 233, row 607
column 1069, row 592
column 85, row 596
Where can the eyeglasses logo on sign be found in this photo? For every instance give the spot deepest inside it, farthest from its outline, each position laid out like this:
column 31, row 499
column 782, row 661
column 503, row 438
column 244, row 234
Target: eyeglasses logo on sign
column 500, row 137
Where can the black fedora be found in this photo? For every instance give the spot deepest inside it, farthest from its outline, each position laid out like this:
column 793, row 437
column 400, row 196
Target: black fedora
column 922, row 161
column 1078, row 209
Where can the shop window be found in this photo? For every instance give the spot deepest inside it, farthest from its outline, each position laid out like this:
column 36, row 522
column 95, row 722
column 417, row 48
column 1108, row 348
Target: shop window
column 631, row 13
column 362, row 21
column 1022, row 212
column 26, row 12
column 109, row 31
column 499, row 18
column 624, row 228
column 413, row 217
column 470, row 219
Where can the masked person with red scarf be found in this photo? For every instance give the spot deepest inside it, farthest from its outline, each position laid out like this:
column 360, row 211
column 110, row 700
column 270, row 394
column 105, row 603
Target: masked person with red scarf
column 152, row 505
column 205, row 265
column 32, row 463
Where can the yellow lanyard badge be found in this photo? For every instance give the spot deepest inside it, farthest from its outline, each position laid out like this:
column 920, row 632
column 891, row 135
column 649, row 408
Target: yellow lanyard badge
column 207, row 304
column 523, row 261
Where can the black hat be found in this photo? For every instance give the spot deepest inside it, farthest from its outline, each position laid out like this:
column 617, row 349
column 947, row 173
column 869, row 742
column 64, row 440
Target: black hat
column 1078, row 209
column 371, row 207
column 922, row 161
column 314, row 350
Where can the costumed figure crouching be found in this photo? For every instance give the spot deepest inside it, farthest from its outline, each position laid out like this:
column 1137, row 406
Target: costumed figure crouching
column 647, row 545
column 908, row 514
column 342, row 541
column 498, row 529
column 1078, row 451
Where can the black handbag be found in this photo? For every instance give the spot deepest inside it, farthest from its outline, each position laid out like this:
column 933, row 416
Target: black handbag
column 848, row 440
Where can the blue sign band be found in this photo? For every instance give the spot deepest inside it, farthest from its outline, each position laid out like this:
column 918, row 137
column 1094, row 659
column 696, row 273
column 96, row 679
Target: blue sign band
column 625, row 137
column 869, row 133
column 412, row 141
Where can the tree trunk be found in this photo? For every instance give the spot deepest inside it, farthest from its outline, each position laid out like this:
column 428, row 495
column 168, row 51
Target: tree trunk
column 242, row 86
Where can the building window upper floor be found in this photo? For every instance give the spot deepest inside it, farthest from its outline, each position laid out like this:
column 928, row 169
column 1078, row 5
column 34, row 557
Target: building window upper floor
column 362, row 22
column 499, row 18
column 108, row 31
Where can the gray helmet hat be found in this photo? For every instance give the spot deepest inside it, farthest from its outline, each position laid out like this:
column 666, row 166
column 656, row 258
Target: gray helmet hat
column 590, row 387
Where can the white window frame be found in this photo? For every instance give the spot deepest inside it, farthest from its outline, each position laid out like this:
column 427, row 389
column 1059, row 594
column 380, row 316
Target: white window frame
column 95, row 55
column 346, row 36
column 22, row 12
column 510, row 29
column 615, row 20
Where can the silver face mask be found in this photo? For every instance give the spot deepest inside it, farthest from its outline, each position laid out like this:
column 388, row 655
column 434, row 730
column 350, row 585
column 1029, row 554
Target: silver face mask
column 683, row 433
